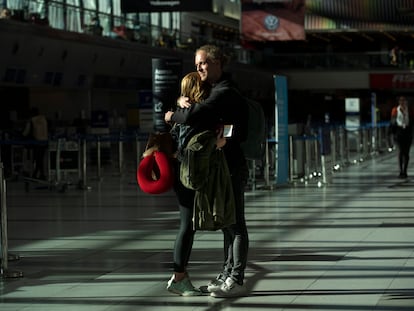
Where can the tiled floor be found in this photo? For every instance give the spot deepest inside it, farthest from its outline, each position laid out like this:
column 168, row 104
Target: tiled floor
column 348, row 245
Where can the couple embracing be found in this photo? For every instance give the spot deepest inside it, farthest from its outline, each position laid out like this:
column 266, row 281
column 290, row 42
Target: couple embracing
column 209, row 98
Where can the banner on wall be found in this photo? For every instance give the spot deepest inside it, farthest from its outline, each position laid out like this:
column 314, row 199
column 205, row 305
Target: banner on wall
column 166, row 77
column 391, row 80
column 133, row 6
column 273, row 20
column 281, row 130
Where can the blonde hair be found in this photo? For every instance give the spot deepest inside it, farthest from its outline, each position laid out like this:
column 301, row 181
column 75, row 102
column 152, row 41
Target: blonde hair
column 193, row 88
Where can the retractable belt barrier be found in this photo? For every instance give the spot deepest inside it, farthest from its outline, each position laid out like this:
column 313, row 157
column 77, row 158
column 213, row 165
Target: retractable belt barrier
column 68, row 154
column 120, row 138
column 317, row 155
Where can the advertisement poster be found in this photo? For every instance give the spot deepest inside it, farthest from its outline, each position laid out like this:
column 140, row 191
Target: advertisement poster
column 273, row 20
column 166, row 77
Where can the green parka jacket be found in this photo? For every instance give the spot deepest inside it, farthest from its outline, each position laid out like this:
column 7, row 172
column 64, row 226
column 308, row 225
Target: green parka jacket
column 204, row 169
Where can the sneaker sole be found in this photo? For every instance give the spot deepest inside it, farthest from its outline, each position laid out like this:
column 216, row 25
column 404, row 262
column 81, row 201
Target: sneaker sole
column 213, row 289
column 184, row 294
column 223, row 295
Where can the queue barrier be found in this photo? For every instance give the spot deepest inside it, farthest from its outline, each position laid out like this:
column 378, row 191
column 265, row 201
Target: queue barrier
column 69, row 155
column 310, row 156
column 320, row 155
column 346, row 146
column 316, row 157
column 119, row 139
column 334, row 147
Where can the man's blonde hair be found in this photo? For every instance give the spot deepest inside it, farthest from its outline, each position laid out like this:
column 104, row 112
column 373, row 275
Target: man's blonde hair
column 214, row 53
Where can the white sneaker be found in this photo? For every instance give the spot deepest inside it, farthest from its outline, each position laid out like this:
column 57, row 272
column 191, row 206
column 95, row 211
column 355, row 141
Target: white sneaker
column 214, row 285
column 230, row 288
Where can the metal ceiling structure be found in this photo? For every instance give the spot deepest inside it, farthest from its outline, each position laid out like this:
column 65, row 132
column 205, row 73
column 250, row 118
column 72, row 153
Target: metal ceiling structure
column 362, row 23
column 359, row 14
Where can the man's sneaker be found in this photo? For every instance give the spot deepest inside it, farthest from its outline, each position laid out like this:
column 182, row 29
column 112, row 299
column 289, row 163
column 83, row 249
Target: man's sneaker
column 230, row 288
column 215, row 285
column 183, row 287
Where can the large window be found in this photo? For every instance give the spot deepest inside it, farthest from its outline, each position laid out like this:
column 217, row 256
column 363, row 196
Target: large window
column 95, row 17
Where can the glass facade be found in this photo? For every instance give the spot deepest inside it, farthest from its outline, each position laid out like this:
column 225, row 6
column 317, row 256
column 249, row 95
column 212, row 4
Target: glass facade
column 90, row 15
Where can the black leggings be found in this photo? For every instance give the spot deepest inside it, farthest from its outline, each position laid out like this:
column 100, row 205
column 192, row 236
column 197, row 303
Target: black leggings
column 404, row 140
column 185, row 236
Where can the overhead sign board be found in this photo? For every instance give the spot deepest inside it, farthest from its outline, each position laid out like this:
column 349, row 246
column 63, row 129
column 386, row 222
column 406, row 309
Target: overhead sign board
column 133, row 6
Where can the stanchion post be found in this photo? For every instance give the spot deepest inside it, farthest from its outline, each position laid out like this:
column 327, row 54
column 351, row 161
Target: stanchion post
column 316, row 149
column 379, row 141
column 82, row 151
column 291, row 172
column 253, row 177
column 84, row 162
column 120, row 153
column 267, row 165
column 5, row 272
column 333, row 135
column 4, row 242
column 346, row 145
column 360, row 144
column 59, row 147
column 366, row 142
column 79, row 159
column 307, row 158
column 98, row 155
column 138, row 149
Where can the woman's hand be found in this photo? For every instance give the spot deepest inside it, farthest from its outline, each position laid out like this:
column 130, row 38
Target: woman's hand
column 168, row 116
column 183, row 102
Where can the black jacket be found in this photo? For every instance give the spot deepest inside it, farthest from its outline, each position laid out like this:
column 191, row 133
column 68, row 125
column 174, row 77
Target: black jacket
column 225, row 105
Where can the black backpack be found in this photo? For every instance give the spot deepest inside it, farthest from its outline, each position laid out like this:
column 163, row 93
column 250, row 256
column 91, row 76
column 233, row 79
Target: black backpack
column 255, row 143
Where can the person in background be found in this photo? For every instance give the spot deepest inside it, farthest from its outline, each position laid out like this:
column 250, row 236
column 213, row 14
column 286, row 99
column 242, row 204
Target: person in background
column 224, row 105
column 394, row 55
column 5, row 14
column 163, row 38
column 401, row 123
column 37, row 129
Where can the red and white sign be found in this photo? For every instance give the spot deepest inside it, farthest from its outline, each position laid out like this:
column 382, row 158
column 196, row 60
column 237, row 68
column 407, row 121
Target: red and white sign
column 273, row 20
column 391, row 80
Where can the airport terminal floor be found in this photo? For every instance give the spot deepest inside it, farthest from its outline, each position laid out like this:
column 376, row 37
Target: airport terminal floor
column 347, row 245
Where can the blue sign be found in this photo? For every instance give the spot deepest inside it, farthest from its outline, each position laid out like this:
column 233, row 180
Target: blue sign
column 281, row 128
